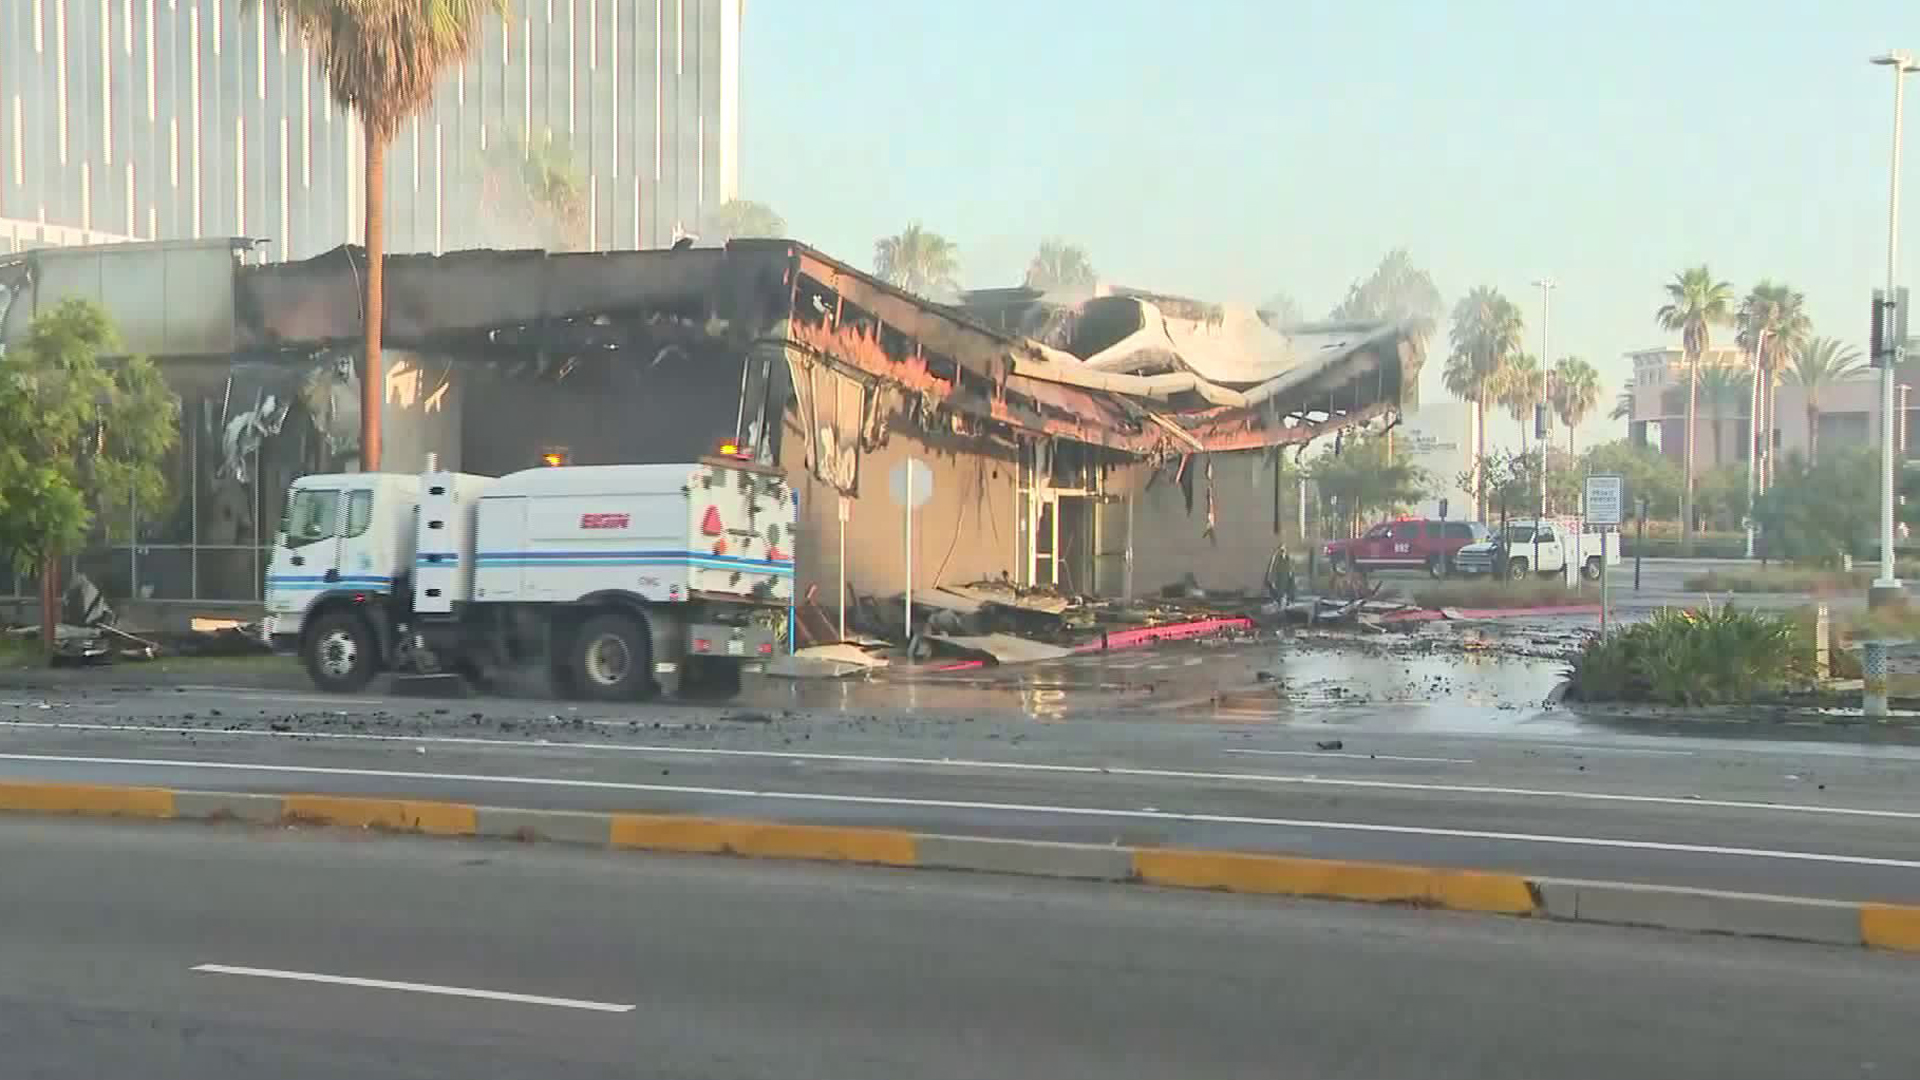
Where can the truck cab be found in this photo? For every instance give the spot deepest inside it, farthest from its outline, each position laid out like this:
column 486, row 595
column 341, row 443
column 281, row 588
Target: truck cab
column 1541, row 546
column 344, row 539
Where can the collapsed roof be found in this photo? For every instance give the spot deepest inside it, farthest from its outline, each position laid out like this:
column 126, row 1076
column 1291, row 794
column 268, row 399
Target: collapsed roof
column 1139, row 373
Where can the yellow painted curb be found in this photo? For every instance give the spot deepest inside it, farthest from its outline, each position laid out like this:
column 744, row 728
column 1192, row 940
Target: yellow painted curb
column 447, row 819
column 1463, row 890
column 666, row 832
column 87, row 799
column 1890, row 926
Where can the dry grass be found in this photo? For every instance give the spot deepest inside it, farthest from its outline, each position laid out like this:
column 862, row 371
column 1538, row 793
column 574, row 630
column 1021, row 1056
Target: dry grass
column 1780, row 579
column 1499, row 593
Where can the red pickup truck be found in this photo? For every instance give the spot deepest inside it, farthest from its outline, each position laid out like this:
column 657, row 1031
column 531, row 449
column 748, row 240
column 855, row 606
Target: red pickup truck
column 1407, row 544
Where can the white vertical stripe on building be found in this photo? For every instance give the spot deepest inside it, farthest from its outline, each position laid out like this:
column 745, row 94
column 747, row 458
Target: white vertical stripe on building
column 416, row 154
column 126, row 38
column 173, row 151
column 86, row 194
column 153, row 223
column 219, row 32
column 526, row 101
column 613, row 56
column 193, row 70
column 352, row 184
column 39, row 27
column 700, row 160
column 153, row 77
column 679, row 38
column 240, row 176
column 286, row 204
column 636, row 211
column 659, row 84
column 573, row 25
column 130, row 190
column 19, row 146
column 593, row 212
column 106, row 84
column 729, row 142
column 439, row 192
column 282, row 26
column 460, row 85
column 306, row 118
column 260, row 52
column 60, row 73
column 593, row 35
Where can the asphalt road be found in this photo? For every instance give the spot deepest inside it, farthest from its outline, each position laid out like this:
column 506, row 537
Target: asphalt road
column 1447, row 782
column 191, row 951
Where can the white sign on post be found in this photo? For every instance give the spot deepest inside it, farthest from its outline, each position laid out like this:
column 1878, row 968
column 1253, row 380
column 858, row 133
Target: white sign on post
column 1604, row 498
column 1605, row 501
column 911, row 485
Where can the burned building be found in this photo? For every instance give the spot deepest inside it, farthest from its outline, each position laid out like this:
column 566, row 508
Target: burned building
column 1102, row 445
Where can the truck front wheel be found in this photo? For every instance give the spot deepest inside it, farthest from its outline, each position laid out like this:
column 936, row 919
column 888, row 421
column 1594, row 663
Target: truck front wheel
column 339, row 652
column 612, row 659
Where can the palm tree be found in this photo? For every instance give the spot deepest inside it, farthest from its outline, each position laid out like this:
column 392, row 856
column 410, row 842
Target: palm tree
column 1485, row 335
column 535, row 185
column 1696, row 303
column 1724, row 388
column 740, row 219
column 1773, row 329
column 1523, row 385
column 1622, row 404
column 917, row 260
column 1820, row 363
column 1060, row 266
column 1575, row 389
column 382, row 60
column 1400, row 292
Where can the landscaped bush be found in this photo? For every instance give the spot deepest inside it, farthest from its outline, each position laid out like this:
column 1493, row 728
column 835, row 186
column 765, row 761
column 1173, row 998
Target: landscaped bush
column 1719, row 656
column 1704, row 547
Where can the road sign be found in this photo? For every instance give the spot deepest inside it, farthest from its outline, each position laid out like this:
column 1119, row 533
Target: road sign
column 1604, row 499
column 910, row 483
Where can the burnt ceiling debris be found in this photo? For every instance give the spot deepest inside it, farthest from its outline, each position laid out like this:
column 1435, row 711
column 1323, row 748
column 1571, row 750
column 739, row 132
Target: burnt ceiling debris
column 1142, row 374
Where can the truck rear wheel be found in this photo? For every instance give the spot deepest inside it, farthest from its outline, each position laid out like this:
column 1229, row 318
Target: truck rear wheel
column 612, row 659
column 1591, row 569
column 340, row 652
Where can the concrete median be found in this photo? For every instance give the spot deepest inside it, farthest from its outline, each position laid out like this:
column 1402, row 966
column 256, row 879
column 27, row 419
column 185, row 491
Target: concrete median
column 1883, row 926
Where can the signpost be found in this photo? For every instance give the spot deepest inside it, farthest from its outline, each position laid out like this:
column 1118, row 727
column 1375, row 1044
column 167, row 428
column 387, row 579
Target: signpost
column 911, row 485
column 1605, row 499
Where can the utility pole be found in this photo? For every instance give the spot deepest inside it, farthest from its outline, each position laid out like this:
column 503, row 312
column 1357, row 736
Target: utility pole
column 1886, row 589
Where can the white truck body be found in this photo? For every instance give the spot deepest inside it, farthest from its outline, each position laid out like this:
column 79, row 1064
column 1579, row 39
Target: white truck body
column 1543, row 546
column 453, row 569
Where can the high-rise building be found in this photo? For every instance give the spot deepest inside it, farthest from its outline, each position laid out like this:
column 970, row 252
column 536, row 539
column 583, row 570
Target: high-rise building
column 578, row 123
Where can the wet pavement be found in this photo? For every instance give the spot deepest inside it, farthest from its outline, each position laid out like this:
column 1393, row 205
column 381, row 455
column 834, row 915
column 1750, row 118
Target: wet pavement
column 1432, row 745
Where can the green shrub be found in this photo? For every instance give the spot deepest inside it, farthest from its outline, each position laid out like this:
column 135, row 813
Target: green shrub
column 1719, row 656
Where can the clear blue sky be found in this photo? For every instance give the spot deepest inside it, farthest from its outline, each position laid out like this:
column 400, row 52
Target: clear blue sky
column 1232, row 148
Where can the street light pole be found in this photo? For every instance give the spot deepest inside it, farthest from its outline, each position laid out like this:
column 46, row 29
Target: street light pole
column 1886, row 588
column 1756, row 405
column 1546, row 286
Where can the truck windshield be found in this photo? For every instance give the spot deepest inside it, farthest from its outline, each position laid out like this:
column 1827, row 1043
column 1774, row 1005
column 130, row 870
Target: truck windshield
column 313, row 514
column 1519, row 534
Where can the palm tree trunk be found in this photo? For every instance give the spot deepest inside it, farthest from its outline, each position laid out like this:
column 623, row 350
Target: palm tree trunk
column 1813, row 431
column 1480, row 458
column 1686, row 489
column 373, row 381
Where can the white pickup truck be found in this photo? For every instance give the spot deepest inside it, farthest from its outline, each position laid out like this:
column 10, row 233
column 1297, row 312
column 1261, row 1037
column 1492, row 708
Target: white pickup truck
column 1543, row 547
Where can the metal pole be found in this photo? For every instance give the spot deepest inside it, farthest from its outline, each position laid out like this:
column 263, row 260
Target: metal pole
column 909, row 597
column 1754, row 407
column 1888, row 583
column 842, row 506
